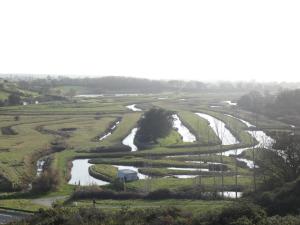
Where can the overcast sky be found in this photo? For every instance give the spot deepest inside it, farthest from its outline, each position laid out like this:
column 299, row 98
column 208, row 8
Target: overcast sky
column 158, row 39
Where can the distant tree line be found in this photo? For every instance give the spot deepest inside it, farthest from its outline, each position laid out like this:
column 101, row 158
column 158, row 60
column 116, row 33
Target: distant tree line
column 113, row 84
column 285, row 104
column 110, row 84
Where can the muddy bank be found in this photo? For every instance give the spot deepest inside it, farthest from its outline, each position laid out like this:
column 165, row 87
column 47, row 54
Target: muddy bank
column 111, row 128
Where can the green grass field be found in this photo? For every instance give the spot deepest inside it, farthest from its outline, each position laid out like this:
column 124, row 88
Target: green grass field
column 197, row 206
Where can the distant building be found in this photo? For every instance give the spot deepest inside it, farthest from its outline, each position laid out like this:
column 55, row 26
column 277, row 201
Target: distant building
column 127, row 175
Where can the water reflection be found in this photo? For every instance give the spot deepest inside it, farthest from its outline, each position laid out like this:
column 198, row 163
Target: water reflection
column 186, row 135
column 129, row 140
column 220, row 129
column 80, row 174
column 133, row 108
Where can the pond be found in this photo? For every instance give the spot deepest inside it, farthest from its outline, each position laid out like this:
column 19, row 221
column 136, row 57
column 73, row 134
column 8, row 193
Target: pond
column 80, row 174
column 184, row 132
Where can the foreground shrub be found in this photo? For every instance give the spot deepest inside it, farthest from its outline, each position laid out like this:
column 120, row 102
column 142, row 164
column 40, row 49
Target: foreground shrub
column 283, row 200
column 286, row 220
column 238, row 214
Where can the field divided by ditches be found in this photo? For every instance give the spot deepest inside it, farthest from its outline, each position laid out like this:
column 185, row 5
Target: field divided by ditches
column 85, row 121
column 18, row 150
column 165, row 177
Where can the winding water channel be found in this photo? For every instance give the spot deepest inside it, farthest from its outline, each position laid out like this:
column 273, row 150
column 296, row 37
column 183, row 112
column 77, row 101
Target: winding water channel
column 220, row 129
column 264, row 141
column 111, row 129
column 184, row 132
column 129, row 140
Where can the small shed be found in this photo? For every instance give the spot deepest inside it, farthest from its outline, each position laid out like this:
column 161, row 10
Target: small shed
column 127, row 175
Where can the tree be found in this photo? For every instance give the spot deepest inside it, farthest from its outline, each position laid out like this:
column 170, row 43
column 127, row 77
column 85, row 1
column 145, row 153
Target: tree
column 14, row 99
column 253, row 101
column 156, row 123
column 282, row 163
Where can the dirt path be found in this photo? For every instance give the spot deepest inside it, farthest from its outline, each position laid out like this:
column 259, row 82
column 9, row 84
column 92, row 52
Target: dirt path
column 48, row 201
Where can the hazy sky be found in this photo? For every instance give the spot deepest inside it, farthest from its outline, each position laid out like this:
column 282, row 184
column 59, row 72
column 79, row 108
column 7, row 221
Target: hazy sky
column 159, row 39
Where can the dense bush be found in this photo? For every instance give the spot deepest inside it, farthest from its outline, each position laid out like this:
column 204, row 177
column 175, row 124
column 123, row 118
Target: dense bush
column 283, row 200
column 285, row 220
column 95, row 192
column 156, row 123
column 239, row 213
column 47, row 181
column 160, row 194
column 14, row 99
column 111, row 149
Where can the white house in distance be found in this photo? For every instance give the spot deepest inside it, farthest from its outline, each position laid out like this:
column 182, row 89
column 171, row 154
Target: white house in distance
column 127, row 174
